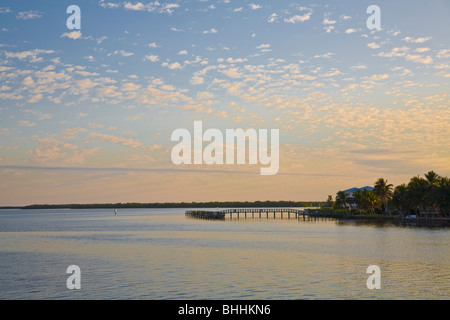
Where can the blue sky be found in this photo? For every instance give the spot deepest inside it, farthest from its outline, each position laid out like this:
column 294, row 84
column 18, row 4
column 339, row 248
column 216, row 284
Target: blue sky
column 351, row 104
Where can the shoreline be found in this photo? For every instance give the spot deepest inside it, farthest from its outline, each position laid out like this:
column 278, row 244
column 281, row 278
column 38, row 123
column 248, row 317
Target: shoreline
column 210, row 205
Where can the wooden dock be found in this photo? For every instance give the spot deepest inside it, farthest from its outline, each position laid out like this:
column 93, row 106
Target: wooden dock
column 266, row 213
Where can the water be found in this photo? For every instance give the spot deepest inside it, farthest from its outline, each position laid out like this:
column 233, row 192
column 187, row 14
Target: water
column 161, row 254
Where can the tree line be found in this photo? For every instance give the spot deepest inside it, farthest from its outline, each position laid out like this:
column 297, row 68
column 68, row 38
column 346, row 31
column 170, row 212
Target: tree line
column 211, row 204
column 421, row 196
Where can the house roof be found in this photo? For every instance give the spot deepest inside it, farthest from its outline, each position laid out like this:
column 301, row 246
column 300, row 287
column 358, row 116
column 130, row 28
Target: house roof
column 352, row 190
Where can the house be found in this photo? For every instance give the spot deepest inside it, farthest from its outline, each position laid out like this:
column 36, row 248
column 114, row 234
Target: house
column 349, row 194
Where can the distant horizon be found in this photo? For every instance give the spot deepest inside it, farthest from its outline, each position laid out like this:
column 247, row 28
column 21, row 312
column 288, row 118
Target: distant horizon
column 112, row 204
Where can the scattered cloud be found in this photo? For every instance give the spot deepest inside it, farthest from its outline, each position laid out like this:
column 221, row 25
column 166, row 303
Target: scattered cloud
column 151, row 7
column 72, row 35
column 32, row 55
column 172, row 66
column 298, row 18
column 5, row 10
column 123, row 53
column 109, row 138
column 152, row 58
column 416, row 40
column 419, row 59
column 373, row 45
column 212, row 30
column 254, row 6
column 29, row 15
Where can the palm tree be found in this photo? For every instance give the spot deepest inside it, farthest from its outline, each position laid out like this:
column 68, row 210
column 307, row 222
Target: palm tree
column 371, row 200
column 330, row 201
column 443, row 195
column 432, row 179
column 400, row 198
column 341, row 199
column 359, row 199
column 417, row 191
column 384, row 191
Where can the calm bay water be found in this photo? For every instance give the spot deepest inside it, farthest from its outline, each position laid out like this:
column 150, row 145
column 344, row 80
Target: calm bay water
column 161, row 254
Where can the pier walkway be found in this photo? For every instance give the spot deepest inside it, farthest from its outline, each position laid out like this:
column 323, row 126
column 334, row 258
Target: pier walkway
column 247, row 213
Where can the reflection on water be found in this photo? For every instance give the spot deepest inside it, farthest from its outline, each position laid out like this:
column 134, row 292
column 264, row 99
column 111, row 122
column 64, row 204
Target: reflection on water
column 160, row 254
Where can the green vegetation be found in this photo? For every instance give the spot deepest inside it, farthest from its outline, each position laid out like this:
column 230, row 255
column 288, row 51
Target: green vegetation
column 423, row 197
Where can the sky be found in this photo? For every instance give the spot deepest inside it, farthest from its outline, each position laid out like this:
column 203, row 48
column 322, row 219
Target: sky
column 86, row 115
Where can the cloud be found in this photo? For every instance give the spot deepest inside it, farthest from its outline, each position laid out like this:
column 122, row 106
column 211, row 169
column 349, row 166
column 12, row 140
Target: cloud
column 417, row 40
column 133, row 118
column 233, row 88
column 35, row 98
column 419, row 59
column 152, row 58
column 232, row 73
column 130, row 87
column 395, row 52
column 377, row 77
column 442, row 66
column 273, row 17
column 26, row 123
column 422, row 50
column 72, row 35
column 172, row 66
column 115, row 139
column 54, row 152
column 45, row 116
column 328, row 29
column 350, row 30
column 326, row 21
column 123, row 53
column 196, row 80
column 29, row 82
column 30, row 54
column 263, row 46
column 237, row 60
column 444, row 53
column 109, row 5
column 325, row 55
column 373, row 45
column 137, row 6
column 73, row 131
column 359, row 67
column 151, row 7
column 332, row 73
column 298, row 18
column 212, row 30
column 254, row 6
column 204, row 95
column 86, row 84
column 29, row 15
column 4, row 131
